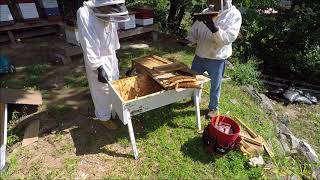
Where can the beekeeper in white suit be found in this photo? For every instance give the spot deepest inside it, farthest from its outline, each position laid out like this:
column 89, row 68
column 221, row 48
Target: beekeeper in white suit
column 99, row 40
column 213, row 38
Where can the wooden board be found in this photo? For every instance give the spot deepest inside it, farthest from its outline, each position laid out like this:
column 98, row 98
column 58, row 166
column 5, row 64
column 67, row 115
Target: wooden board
column 161, row 70
column 18, row 26
column 31, row 133
column 169, row 68
column 14, row 96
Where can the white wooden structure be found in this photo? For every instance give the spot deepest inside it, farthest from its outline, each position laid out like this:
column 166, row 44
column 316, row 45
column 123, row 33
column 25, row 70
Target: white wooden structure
column 126, row 109
column 3, row 134
column 12, row 96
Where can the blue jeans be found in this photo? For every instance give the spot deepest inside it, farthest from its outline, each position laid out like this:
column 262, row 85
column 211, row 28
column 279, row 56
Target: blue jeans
column 215, row 69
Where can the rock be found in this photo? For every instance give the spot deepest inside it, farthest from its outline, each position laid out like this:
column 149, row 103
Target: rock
column 264, row 101
column 294, row 177
column 316, row 173
column 256, row 161
column 284, row 119
column 308, row 152
column 234, row 101
column 284, row 143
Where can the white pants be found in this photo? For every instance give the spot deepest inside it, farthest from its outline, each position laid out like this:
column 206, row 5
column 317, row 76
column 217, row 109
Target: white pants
column 100, row 91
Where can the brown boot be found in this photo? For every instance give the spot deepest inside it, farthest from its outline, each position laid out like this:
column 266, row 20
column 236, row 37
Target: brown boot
column 211, row 113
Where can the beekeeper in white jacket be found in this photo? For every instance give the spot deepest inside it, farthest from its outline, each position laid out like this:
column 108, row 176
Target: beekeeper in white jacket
column 213, row 38
column 99, row 40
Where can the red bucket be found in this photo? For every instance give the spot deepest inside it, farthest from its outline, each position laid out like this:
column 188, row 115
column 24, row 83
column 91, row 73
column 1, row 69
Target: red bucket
column 222, row 139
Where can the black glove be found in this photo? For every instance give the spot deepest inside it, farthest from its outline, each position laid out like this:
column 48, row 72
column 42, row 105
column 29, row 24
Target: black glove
column 102, row 75
column 211, row 25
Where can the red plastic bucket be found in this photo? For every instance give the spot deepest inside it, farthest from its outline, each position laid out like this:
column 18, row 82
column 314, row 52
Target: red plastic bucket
column 222, row 139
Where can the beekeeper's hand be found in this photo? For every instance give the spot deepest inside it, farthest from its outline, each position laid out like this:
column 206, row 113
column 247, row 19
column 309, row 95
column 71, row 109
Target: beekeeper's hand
column 102, row 75
column 210, row 24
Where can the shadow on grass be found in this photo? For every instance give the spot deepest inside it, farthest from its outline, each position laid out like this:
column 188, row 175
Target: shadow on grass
column 89, row 137
column 194, row 149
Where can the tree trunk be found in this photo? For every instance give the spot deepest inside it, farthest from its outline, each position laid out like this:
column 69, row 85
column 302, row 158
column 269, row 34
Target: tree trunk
column 176, row 14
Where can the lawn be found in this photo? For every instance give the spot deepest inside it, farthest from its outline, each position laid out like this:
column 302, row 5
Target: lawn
column 169, row 145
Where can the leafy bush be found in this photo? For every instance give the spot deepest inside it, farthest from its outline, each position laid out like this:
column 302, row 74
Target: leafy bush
column 287, row 43
column 247, row 74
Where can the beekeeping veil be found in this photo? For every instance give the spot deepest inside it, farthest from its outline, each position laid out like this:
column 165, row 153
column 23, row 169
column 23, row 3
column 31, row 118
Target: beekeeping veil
column 223, row 5
column 109, row 10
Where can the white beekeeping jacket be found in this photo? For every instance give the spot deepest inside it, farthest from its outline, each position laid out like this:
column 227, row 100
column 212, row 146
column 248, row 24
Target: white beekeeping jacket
column 217, row 45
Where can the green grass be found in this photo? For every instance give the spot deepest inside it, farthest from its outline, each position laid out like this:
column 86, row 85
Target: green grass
column 169, row 145
column 309, row 119
column 33, row 75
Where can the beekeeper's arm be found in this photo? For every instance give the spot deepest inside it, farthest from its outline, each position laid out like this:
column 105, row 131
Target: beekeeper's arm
column 89, row 41
column 228, row 34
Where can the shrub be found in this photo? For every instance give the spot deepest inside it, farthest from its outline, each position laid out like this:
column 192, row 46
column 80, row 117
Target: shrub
column 247, row 73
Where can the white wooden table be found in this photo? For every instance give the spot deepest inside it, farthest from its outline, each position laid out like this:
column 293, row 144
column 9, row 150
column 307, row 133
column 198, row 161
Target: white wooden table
column 3, row 134
column 126, row 109
column 12, row 96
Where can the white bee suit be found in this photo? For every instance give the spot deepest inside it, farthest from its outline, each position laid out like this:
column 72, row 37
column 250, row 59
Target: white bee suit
column 217, row 45
column 99, row 41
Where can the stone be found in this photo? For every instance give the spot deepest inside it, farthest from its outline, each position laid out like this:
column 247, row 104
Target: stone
column 308, row 152
column 284, row 143
column 284, row 119
column 234, row 101
column 294, row 177
column 257, row 161
column 264, row 101
column 316, row 173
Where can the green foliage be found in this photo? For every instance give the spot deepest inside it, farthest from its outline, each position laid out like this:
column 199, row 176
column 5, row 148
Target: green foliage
column 34, row 75
column 310, row 60
column 247, row 74
column 287, row 43
column 76, row 79
column 235, row 166
column 289, row 166
column 160, row 7
column 257, row 3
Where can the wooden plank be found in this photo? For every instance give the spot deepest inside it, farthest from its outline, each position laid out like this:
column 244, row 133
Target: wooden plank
column 31, row 133
column 157, row 100
column 18, row 26
column 36, row 32
column 138, row 30
column 169, row 67
column 251, row 132
column 29, row 34
column 73, row 50
column 251, row 140
column 14, row 96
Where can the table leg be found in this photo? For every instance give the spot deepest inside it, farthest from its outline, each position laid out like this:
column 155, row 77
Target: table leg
column 196, row 98
column 3, row 135
column 12, row 38
column 155, row 36
column 127, row 116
